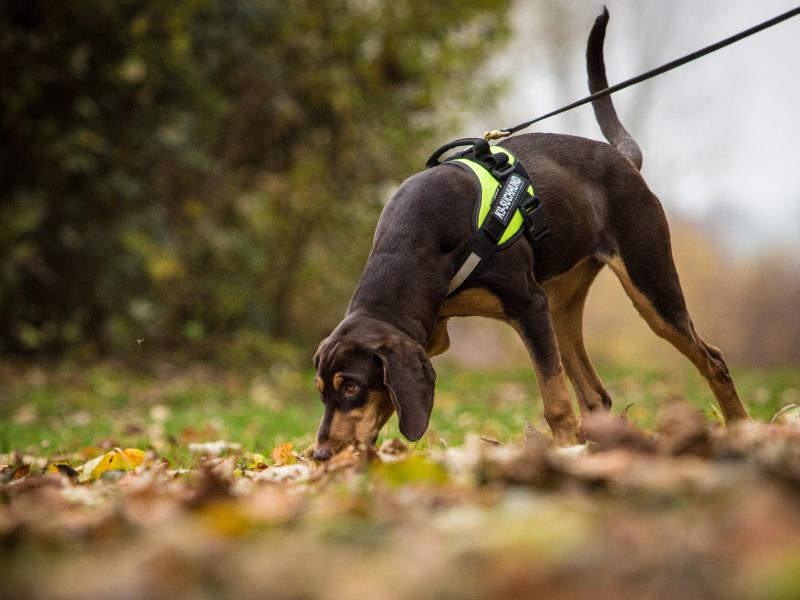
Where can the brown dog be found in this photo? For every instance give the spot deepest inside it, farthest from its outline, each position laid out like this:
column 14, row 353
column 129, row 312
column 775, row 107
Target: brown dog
column 600, row 212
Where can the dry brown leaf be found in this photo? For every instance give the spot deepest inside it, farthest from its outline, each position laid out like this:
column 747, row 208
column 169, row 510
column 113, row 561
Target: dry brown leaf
column 610, row 432
column 683, row 430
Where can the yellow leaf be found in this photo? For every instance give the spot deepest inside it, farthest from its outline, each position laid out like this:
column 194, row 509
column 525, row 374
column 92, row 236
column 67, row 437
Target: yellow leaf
column 116, row 460
column 283, row 455
column 255, row 462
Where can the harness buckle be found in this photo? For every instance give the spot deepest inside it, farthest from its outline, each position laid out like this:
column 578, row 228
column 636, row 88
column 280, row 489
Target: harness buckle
column 527, row 207
column 504, row 171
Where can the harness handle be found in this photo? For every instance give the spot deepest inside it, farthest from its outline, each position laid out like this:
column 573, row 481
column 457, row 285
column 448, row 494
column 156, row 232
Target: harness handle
column 433, row 161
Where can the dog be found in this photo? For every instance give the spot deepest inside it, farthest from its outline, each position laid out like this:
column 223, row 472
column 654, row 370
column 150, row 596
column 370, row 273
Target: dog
column 600, row 213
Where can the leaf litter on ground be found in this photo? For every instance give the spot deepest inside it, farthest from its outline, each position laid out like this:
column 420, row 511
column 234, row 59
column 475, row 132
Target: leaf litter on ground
column 691, row 509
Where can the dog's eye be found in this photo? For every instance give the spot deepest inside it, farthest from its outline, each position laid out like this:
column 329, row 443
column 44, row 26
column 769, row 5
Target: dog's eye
column 351, row 388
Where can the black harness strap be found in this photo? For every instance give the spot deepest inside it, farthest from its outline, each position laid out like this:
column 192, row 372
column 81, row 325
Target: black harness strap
column 512, row 195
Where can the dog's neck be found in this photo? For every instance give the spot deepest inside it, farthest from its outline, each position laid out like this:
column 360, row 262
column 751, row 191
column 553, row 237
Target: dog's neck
column 407, row 298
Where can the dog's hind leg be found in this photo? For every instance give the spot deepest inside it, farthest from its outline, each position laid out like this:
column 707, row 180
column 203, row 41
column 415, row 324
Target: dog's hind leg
column 647, row 272
column 567, row 298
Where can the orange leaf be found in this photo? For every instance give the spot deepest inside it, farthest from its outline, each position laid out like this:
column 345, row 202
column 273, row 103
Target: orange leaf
column 283, row 455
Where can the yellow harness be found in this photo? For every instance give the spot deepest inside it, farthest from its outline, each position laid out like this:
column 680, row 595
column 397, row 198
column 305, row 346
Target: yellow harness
column 489, row 187
column 505, row 209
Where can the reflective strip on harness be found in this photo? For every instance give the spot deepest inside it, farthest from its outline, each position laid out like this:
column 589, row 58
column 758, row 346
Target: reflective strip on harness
column 461, row 276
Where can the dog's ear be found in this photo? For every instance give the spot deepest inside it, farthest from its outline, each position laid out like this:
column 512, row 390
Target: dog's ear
column 317, row 355
column 325, row 352
column 410, row 379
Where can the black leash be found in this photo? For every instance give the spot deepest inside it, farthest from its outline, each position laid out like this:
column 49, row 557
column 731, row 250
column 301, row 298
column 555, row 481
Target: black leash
column 496, row 134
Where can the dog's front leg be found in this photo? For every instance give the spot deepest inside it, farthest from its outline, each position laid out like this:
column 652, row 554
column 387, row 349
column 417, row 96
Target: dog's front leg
column 531, row 318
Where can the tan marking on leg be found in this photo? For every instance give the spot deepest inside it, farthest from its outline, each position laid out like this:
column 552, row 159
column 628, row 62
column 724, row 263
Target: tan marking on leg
column 558, row 409
column 319, row 384
column 584, row 378
column 338, row 380
column 477, row 302
column 640, row 301
column 439, row 341
column 706, row 358
column 557, row 405
column 567, row 297
column 561, row 291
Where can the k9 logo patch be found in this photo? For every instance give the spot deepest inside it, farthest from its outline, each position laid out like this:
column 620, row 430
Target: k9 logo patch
column 509, row 198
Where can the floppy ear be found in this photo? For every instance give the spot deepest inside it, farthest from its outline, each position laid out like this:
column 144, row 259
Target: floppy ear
column 410, row 378
column 326, row 349
column 317, row 355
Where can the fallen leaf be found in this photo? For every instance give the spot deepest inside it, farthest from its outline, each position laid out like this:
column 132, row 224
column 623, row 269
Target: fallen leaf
column 115, row 460
column 788, row 415
column 535, row 438
column 282, row 454
column 62, row 469
column 392, row 450
column 683, row 430
column 255, row 462
column 345, row 458
column 610, row 432
column 20, row 472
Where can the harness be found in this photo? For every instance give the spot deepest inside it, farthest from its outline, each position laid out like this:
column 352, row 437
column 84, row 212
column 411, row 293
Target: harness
column 507, row 205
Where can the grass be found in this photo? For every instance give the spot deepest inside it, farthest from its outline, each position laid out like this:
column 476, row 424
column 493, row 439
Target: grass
column 59, row 411
column 502, row 525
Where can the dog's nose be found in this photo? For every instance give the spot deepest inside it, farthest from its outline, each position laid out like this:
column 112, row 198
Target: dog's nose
column 322, row 453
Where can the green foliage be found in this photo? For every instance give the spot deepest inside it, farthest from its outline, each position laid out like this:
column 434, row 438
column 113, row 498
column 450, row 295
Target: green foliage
column 186, row 170
column 60, row 410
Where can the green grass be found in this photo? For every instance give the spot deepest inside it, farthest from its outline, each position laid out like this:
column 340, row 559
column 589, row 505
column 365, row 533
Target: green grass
column 63, row 410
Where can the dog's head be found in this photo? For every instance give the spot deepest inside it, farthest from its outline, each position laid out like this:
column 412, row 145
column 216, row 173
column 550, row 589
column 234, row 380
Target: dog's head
column 367, row 369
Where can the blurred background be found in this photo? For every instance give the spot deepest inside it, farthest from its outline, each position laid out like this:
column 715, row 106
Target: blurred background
column 188, row 194
column 201, row 180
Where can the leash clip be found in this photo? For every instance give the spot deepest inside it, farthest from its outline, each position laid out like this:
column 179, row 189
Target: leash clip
column 495, row 134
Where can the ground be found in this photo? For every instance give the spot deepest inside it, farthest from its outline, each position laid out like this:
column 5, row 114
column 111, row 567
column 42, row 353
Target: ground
column 190, row 482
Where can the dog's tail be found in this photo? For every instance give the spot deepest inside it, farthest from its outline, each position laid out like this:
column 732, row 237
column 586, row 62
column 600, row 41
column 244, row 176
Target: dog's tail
column 604, row 111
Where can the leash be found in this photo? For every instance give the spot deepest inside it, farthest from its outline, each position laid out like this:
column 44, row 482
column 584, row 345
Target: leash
column 501, row 133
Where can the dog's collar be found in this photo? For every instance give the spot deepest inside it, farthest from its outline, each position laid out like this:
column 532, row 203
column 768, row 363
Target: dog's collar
column 506, row 206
